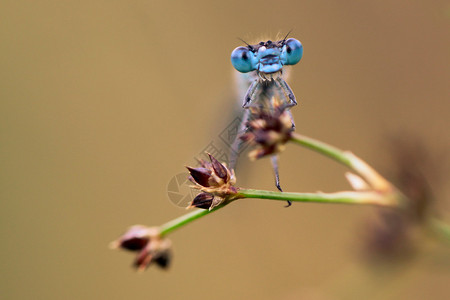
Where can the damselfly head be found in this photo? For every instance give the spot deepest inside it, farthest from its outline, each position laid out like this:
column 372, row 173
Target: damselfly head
column 267, row 57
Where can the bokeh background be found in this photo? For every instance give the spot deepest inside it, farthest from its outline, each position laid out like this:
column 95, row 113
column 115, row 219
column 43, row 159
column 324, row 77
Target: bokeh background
column 103, row 102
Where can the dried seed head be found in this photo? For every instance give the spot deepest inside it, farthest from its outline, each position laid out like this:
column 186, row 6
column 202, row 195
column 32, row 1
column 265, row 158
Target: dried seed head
column 219, row 169
column 135, row 239
column 394, row 233
column 200, row 175
column 216, row 182
column 202, row 200
column 149, row 244
column 159, row 252
column 269, row 131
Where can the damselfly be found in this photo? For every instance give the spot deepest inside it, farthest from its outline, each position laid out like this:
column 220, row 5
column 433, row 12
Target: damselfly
column 262, row 67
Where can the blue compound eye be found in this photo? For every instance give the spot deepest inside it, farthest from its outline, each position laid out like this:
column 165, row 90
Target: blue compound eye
column 242, row 59
column 293, row 52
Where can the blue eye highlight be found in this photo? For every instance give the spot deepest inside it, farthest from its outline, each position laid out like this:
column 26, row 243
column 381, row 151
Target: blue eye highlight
column 292, row 52
column 243, row 59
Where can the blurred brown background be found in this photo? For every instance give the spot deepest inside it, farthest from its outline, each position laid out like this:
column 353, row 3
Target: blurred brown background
column 103, row 102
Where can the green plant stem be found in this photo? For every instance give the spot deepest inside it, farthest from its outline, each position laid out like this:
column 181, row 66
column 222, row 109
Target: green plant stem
column 185, row 219
column 347, row 197
column 322, row 148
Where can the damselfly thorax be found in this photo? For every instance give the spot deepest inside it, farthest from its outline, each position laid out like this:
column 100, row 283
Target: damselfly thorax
column 267, row 87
